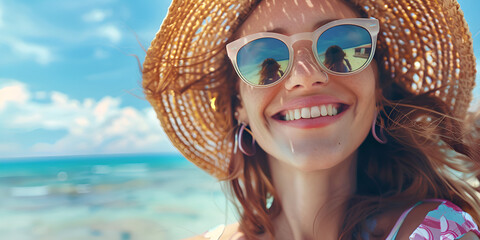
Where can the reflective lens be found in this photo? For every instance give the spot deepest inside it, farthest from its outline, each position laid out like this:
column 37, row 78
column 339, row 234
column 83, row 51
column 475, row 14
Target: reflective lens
column 263, row 61
column 344, row 48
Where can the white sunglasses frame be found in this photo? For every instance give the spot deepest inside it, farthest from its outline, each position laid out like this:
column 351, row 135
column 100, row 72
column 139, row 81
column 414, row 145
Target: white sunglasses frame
column 369, row 24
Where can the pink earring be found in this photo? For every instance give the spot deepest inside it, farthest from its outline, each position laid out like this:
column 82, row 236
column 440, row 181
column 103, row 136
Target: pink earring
column 239, row 141
column 382, row 139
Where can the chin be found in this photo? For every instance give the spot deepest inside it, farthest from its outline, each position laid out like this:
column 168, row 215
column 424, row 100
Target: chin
column 316, row 161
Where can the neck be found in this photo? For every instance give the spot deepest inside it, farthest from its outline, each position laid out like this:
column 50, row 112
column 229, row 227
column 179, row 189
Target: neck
column 313, row 203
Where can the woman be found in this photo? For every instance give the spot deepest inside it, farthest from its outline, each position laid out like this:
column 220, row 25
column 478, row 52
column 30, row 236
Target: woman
column 320, row 154
column 270, row 72
column 335, row 59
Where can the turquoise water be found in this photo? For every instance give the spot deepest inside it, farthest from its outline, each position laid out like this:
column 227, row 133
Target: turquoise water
column 124, row 197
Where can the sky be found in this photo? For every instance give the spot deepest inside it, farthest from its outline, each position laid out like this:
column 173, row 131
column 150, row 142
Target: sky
column 70, row 83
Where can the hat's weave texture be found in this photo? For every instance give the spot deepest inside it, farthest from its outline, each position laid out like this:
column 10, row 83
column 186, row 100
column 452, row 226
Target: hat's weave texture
column 185, row 81
column 425, row 45
column 428, row 46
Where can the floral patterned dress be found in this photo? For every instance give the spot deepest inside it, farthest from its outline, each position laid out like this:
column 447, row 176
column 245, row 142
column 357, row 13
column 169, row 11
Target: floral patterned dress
column 446, row 222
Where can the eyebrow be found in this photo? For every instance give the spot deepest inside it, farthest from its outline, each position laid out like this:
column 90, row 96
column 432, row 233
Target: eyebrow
column 317, row 25
column 323, row 22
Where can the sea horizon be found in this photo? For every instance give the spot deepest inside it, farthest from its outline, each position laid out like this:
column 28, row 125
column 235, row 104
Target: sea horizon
column 108, row 196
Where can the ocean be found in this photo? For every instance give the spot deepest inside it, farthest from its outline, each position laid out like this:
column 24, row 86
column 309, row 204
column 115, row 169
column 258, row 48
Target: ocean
column 114, row 197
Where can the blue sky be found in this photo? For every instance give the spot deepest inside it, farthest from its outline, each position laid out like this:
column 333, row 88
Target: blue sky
column 68, row 82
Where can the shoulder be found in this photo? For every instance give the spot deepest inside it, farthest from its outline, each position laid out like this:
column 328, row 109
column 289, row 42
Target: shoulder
column 437, row 219
column 415, row 218
column 220, row 232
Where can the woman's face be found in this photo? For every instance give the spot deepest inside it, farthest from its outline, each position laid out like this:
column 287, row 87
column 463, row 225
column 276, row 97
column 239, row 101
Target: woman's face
column 315, row 143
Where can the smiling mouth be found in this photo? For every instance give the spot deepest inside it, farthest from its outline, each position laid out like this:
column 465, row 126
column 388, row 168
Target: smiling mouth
column 326, row 110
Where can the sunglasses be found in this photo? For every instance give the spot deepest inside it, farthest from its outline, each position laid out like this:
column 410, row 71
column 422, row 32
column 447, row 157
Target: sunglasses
column 341, row 47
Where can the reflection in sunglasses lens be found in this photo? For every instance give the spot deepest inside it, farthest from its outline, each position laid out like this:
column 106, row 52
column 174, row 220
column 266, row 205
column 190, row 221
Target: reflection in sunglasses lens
column 263, row 61
column 344, row 48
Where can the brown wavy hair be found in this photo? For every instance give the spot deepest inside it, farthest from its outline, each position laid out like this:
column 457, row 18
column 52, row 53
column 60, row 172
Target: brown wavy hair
column 429, row 154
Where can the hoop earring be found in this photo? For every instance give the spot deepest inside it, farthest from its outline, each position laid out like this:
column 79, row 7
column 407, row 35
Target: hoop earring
column 382, row 139
column 239, row 141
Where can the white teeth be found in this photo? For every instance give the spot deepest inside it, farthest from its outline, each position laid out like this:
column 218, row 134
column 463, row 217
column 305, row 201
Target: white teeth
column 330, row 110
column 305, row 112
column 297, row 114
column 323, row 110
column 313, row 112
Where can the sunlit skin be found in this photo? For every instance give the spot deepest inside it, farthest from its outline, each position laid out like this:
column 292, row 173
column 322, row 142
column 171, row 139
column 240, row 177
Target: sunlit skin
column 312, row 168
column 302, row 147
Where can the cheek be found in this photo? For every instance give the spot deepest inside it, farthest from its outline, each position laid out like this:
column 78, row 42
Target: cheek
column 365, row 84
column 367, row 97
column 254, row 101
column 251, row 100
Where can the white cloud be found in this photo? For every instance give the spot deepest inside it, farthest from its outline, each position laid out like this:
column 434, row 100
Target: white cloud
column 44, row 39
column 21, row 28
column 41, row 54
column 110, row 32
column 93, row 127
column 14, row 92
column 96, row 15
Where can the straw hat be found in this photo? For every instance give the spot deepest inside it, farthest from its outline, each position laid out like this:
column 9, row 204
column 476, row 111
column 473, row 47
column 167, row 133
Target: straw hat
column 425, row 44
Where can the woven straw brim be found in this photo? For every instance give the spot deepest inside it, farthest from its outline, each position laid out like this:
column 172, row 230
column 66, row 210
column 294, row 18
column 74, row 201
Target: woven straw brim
column 426, row 45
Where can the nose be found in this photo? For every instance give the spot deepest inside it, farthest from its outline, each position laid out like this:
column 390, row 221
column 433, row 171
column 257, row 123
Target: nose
column 305, row 70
